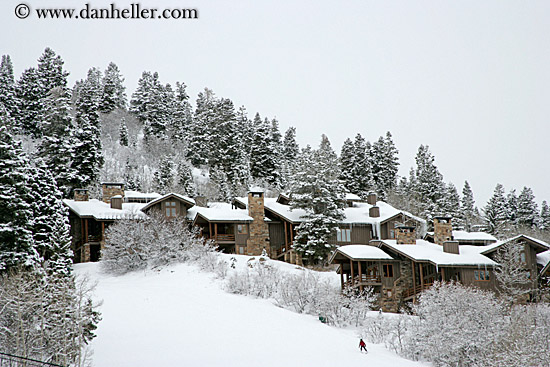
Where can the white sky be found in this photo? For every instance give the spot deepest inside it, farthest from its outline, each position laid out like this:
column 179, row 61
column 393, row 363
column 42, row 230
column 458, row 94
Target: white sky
column 469, row 78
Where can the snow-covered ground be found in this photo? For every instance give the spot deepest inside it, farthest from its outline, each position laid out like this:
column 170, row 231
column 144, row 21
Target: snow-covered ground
column 180, row 316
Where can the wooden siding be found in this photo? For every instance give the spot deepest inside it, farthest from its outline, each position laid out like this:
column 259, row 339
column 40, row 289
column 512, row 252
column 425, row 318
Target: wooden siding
column 276, row 235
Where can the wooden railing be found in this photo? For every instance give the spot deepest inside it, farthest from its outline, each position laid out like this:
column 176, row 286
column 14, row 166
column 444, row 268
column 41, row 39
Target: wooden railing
column 364, row 279
column 223, row 237
column 416, row 290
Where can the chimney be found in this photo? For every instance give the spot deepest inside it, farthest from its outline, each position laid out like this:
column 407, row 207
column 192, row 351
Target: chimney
column 81, row 195
column 374, row 211
column 371, row 198
column 111, row 189
column 201, row 201
column 258, row 238
column 443, row 230
column 406, row 235
column 451, row 247
column 116, row 202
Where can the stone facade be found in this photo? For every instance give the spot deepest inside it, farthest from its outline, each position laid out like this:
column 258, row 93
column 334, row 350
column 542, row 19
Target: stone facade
column 259, row 231
column 391, row 299
column 110, row 190
column 406, row 235
column 443, row 230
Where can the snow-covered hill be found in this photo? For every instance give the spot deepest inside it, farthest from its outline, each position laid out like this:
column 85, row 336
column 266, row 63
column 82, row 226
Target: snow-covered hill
column 180, row 316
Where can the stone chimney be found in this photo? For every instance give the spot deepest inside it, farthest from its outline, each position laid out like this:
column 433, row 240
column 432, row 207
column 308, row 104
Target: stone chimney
column 116, row 202
column 443, row 230
column 81, row 195
column 201, row 201
column 111, row 189
column 451, row 247
column 374, row 211
column 406, row 235
column 371, row 198
column 259, row 231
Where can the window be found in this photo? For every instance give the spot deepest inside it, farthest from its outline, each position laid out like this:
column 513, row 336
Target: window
column 522, row 257
column 388, row 270
column 241, row 250
column 343, row 235
column 481, row 275
column 392, row 233
column 170, row 208
column 241, row 229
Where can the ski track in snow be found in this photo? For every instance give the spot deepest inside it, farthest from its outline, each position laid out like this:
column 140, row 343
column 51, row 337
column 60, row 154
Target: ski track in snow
column 180, row 316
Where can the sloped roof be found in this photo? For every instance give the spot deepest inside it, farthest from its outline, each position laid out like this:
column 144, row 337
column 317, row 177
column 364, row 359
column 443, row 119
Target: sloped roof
column 141, row 195
column 433, row 253
column 186, row 199
column 492, row 247
column 361, row 252
column 358, row 214
column 219, row 212
column 102, row 211
column 544, row 259
column 470, row 236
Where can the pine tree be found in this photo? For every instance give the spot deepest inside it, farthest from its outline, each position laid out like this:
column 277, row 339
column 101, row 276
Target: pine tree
column 291, row 149
column 453, row 208
column 50, row 72
column 123, row 133
column 246, row 129
column 545, row 216
column 264, row 163
column 56, row 147
column 468, row 205
column 7, row 86
column 362, row 169
column 87, row 156
column 428, row 186
column 182, row 116
column 527, row 209
column 164, row 176
column 512, row 207
column 29, row 102
column 50, row 220
column 16, row 242
column 114, row 92
column 316, row 188
column 347, row 164
column 200, row 142
column 185, row 179
column 495, row 211
column 387, row 163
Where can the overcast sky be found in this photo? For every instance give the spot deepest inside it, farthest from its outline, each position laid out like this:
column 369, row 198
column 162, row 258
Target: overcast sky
column 471, row 79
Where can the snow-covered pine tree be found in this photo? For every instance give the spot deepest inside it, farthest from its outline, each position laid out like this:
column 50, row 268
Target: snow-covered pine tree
column 428, row 185
column 29, row 96
column 316, row 188
column 123, row 133
column 361, row 170
column 50, row 220
column 199, row 138
column 186, row 185
column 276, row 138
column 182, row 116
column 347, row 163
column 220, row 184
column 264, row 164
column 385, row 165
column 512, row 276
column 56, row 147
column 246, row 129
column 87, row 153
column 164, row 176
column 494, row 212
column 544, row 217
column 452, row 207
column 291, row 149
column 7, row 86
column 528, row 213
column 114, row 91
column 16, row 242
column 468, row 206
column 512, row 207
column 50, row 71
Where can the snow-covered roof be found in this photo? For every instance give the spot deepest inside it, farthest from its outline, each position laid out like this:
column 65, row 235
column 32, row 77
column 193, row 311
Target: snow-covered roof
column 363, row 252
column 431, row 252
column 493, row 246
column 543, row 258
column 353, row 197
column 470, row 236
column 102, row 211
column 219, row 212
column 184, row 198
column 141, row 195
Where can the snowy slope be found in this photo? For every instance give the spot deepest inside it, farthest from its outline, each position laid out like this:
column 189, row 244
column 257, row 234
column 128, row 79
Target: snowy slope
column 180, row 316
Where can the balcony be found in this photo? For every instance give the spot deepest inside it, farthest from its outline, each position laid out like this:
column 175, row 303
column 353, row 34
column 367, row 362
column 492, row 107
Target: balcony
column 364, row 280
column 223, row 238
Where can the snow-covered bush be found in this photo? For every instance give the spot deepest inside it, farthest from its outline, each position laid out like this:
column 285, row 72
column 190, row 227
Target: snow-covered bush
column 304, row 292
column 152, row 243
column 47, row 316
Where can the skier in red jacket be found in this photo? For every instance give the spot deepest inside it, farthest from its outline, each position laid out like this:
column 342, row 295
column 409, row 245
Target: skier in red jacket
column 362, row 346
